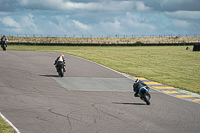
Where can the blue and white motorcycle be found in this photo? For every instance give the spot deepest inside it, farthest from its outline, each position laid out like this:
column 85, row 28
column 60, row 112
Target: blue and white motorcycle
column 144, row 95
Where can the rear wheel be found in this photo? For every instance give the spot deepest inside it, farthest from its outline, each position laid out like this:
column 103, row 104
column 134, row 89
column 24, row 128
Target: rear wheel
column 4, row 47
column 146, row 99
column 61, row 72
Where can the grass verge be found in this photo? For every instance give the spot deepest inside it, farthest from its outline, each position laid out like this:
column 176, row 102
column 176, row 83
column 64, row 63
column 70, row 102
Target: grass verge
column 169, row 65
column 4, row 127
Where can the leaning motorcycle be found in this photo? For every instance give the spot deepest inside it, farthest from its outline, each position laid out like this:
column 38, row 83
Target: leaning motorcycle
column 60, row 68
column 3, row 46
column 144, row 95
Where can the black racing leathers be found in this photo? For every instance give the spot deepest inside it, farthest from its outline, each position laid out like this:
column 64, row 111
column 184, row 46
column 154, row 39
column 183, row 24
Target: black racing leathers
column 137, row 86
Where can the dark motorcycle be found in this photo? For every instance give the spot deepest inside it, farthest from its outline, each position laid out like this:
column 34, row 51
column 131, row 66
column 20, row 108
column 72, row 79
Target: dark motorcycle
column 144, row 95
column 60, row 68
column 3, row 46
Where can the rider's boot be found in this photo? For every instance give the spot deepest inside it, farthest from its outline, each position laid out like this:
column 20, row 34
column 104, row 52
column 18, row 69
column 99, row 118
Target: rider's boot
column 136, row 95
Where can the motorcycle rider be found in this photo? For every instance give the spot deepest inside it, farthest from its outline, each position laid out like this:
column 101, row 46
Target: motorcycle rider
column 60, row 59
column 4, row 40
column 137, row 85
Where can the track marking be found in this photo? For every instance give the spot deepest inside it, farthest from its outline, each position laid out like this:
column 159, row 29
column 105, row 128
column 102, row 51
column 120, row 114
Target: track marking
column 182, row 96
column 166, row 87
column 153, row 83
column 139, row 78
column 194, row 100
column 170, row 92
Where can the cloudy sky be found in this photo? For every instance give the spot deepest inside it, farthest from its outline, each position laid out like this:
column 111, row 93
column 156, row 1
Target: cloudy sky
column 99, row 17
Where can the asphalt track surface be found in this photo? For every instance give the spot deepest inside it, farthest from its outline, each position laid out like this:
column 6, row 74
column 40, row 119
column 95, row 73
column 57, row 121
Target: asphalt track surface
column 89, row 99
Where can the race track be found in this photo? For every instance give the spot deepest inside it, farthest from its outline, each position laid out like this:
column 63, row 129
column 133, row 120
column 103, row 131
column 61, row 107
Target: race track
column 89, row 99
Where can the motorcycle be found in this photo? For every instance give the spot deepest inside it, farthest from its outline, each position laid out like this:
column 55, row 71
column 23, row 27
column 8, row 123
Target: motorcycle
column 60, row 68
column 3, row 46
column 144, row 95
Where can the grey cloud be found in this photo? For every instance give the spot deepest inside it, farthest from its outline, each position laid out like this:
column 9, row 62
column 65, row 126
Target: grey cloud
column 161, row 5
column 8, row 5
column 107, row 5
column 185, row 14
column 174, row 5
column 64, row 5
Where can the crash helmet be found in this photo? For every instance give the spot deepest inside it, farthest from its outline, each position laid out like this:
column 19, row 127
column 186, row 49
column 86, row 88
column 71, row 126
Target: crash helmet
column 137, row 80
column 62, row 55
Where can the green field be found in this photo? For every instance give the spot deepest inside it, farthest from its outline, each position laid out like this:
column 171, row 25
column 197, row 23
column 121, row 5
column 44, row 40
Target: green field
column 169, row 65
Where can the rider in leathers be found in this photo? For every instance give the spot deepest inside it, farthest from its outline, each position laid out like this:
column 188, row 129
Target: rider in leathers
column 137, row 85
column 60, row 59
column 4, row 40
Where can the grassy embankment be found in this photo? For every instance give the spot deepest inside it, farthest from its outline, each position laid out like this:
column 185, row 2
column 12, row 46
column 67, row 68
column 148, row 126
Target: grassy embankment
column 169, row 65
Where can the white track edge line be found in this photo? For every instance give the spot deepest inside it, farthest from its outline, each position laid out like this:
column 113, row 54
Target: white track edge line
column 15, row 129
